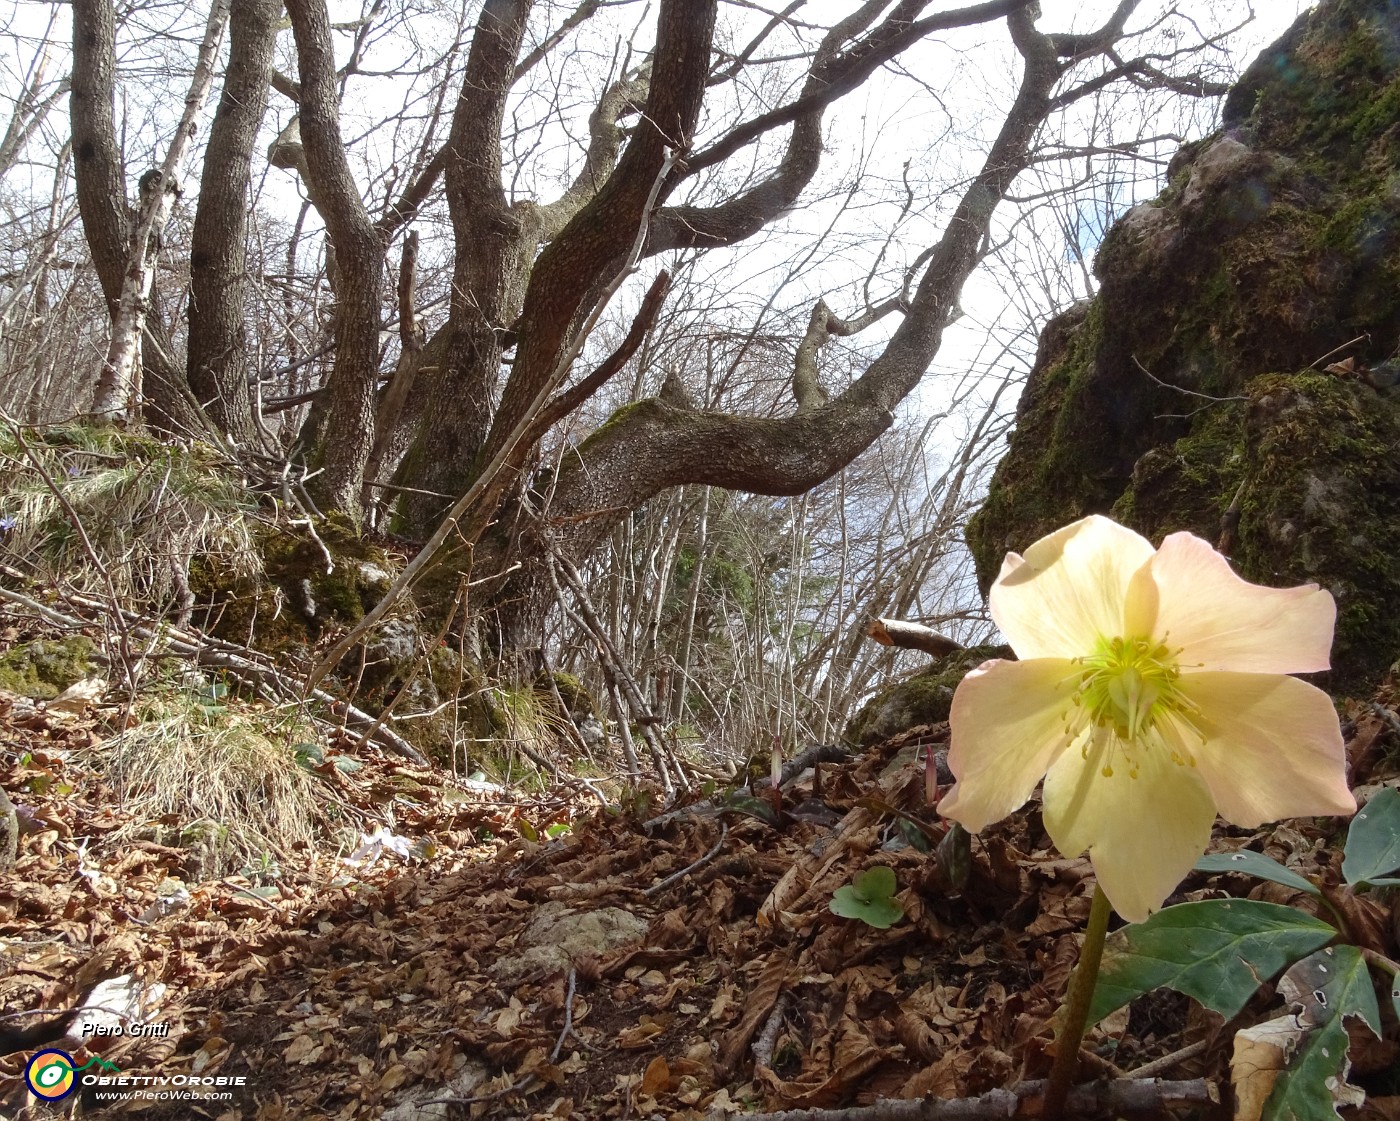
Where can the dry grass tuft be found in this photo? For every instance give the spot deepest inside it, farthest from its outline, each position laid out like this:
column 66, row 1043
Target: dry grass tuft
column 147, row 509
column 228, row 777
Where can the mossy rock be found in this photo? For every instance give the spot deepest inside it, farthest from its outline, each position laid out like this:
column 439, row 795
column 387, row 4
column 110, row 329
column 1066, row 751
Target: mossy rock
column 42, row 669
column 295, row 598
column 1186, row 382
column 922, row 697
column 578, row 701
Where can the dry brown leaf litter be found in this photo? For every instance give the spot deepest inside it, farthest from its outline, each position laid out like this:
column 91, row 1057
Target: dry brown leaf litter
column 503, row 977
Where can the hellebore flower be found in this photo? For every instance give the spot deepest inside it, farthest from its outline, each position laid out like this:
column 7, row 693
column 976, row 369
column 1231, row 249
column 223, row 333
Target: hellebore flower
column 1151, row 692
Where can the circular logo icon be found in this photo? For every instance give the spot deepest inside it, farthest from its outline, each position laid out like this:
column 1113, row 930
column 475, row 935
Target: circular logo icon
column 50, row 1074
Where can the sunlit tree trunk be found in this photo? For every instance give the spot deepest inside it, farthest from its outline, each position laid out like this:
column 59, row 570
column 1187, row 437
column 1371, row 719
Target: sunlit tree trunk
column 359, row 263
column 217, row 357
column 118, row 392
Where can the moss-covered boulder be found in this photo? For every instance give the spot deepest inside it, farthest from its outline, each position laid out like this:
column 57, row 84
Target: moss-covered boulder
column 1201, row 390
column 42, row 669
column 922, row 697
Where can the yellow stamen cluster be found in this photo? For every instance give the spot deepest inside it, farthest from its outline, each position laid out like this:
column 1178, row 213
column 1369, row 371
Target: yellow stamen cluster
column 1128, row 696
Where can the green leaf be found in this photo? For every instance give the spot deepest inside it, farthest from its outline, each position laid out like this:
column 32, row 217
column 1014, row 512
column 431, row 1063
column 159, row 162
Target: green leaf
column 1373, row 842
column 1218, row 951
column 913, row 834
column 1330, row 986
column 1301, row 1093
column 308, row 754
column 870, row 898
column 1333, row 982
column 753, row 807
column 954, row 856
column 558, row 829
column 1256, row 864
column 876, row 883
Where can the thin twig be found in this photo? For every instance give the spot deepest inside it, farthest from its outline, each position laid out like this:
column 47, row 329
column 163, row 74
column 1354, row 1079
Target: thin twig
column 308, row 521
column 1167, row 1062
column 1181, row 389
column 1338, row 350
column 568, row 1016
column 657, row 889
column 646, row 719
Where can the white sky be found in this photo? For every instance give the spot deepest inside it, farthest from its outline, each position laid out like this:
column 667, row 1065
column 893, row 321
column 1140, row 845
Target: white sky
column 871, row 133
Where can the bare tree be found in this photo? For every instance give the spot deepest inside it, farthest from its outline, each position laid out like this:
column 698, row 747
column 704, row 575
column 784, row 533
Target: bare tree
column 119, row 387
column 659, row 443
column 102, row 202
column 696, row 134
column 217, row 366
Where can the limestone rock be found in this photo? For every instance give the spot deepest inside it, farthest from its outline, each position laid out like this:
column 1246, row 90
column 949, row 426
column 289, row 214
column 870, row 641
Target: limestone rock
column 1192, row 391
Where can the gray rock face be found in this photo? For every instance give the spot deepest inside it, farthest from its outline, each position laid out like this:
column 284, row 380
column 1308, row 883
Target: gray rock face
column 1195, row 385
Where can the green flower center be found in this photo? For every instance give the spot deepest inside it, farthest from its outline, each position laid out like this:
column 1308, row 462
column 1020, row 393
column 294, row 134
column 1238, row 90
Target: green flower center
column 1128, row 688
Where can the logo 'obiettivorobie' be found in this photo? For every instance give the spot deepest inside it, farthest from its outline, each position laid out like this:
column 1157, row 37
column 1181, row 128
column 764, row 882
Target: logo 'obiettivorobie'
column 50, row 1075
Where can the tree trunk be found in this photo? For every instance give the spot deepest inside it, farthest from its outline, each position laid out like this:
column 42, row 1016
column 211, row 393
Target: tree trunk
column 118, row 391
column 359, row 257
column 102, row 205
column 97, row 163
column 486, row 272
column 217, row 358
column 656, row 443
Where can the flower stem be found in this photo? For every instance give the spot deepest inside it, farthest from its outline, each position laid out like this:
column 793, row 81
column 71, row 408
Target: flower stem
column 1081, row 990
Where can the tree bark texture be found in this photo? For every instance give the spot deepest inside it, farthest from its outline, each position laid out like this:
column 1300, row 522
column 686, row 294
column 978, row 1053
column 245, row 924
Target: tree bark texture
column 486, row 272
column 102, row 207
column 588, row 231
column 359, row 258
column 574, row 267
column 97, row 163
column 118, row 391
column 217, row 356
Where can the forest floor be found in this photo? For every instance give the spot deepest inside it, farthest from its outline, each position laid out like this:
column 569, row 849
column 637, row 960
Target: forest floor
column 472, row 961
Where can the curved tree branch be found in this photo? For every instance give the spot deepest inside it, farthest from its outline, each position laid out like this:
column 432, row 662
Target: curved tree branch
column 594, row 244
column 655, row 445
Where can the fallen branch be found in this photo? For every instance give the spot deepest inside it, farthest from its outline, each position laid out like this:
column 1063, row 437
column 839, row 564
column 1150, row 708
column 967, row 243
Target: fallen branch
column 239, row 662
column 1023, row 1100
column 768, row 1037
column 911, row 636
column 1166, row 1062
column 809, row 757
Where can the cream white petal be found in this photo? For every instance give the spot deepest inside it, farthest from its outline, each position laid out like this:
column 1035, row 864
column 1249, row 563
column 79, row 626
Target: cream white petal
column 1143, row 834
column 1220, row 622
column 1007, row 727
column 1069, row 589
column 1273, row 747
